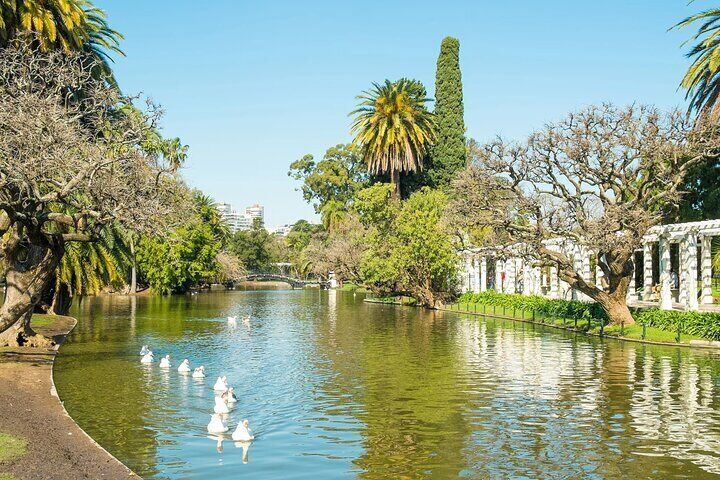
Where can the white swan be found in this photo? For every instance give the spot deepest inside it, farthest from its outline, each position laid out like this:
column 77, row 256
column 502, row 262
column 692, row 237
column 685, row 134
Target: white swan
column 147, row 358
column 216, row 424
column 231, row 398
column 232, row 321
column 165, row 362
column 184, row 366
column 144, row 350
column 221, row 406
column 243, row 433
column 246, row 320
column 199, row 372
column 221, row 385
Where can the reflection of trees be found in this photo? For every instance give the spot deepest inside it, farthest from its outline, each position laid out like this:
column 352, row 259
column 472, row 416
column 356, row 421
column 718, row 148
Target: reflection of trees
column 398, row 367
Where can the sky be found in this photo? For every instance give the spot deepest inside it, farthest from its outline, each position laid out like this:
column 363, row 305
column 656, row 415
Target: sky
column 253, row 86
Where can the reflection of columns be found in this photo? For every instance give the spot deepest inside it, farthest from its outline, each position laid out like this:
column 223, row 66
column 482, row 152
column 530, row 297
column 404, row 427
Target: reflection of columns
column 665, row 287
column 483, row 274
column 647, row 271
column 553, row 282
column 692, row 273
column 510, row 272
column 498, row 275
column 706, row 266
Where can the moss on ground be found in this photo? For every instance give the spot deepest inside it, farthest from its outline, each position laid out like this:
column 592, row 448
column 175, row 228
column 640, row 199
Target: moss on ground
column 11, row 447
column 41, row 320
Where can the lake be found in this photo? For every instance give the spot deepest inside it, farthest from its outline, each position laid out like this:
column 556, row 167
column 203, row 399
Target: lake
column 338, row 388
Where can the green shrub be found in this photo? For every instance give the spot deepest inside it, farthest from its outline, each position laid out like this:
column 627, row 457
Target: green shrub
column 572, row 309
column 706, row 325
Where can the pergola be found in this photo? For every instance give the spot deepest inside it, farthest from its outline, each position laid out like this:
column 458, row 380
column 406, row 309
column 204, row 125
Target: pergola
column 668, row 280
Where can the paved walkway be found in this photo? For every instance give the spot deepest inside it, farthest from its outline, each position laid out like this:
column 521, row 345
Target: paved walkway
column 30, row 408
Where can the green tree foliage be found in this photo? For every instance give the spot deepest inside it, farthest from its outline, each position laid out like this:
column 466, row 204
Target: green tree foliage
column 448, row 154
column 255, row 248
column 410, row 249
column 701, row 200
column 701, row 80
column 188, row 254
column 394, row 128
column 331, row 183
column 68, row 25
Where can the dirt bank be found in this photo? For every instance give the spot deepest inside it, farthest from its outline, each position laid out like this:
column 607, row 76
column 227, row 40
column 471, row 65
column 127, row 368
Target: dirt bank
column 30, row 409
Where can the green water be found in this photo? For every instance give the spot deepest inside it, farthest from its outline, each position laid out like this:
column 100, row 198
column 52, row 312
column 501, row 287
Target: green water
column 335, row 388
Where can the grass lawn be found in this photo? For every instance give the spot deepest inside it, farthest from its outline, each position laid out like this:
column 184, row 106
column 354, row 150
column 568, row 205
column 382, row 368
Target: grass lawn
column 7, row 476
column 41, row 320
column 652, row 334
column 11, row 447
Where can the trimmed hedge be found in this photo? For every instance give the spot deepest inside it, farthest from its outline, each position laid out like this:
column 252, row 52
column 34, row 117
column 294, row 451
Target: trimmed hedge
column 571, row 309
column 706, row 325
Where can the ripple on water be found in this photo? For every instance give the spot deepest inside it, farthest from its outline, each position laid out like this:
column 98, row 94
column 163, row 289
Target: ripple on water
column 335, row 388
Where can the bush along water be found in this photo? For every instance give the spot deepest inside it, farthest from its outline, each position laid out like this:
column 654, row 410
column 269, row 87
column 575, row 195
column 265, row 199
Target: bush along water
column 706, row 325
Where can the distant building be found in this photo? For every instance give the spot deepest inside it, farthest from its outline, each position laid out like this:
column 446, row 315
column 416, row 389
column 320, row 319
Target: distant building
column 282, row 230
column 241, row 221
column 256, row 211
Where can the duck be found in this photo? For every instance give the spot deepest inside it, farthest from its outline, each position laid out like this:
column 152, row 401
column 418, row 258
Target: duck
column 221, row 385
column 232, row 321
column 165, row 362
column 199, row 372
column 220, row 406
column 184, row 366
column 216, row 424
column 243, row 433
column 147, row 358
column 231, row 398
column 144, row 350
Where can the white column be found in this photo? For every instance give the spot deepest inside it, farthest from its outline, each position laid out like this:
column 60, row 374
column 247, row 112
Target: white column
column 599, row 275
column 684, row 271
column 706, row 267
column 537, row 281
column 692, row 272
column 631, row 294
column 665, row 287
column 578, row 267
column 476, row 274
column 499, row 267
column 510, row 275
column 647, row 271
column 483, row 274
column 586, row 273
column 553, row 282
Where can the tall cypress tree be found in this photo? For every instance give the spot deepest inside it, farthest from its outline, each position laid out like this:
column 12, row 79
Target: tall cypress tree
column 448, row 155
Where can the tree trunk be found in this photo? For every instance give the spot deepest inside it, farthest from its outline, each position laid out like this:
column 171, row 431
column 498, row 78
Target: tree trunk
column 29, row 269
column 133, row 270
column 395, row 180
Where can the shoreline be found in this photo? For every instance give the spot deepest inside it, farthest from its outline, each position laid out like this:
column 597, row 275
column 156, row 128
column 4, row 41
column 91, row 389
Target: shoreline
column 701, row 344
column 56, row 445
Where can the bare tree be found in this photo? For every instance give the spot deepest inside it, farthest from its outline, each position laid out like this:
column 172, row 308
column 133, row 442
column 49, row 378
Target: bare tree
column 340, row 251
column 596, row 180
column 72, row 161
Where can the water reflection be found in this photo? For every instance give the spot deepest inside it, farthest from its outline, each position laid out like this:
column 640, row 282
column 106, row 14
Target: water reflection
column 338, row 388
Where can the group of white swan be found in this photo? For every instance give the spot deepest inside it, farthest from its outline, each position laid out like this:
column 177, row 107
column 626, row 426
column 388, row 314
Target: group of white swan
column 225, row 397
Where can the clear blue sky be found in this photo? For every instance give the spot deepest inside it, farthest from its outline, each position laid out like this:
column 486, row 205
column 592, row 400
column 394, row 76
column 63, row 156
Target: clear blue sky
column 251, row 86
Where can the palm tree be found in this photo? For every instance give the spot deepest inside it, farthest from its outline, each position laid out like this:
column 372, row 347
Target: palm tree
column 394, row 128
column 701, row 80
column 87, row 268
column 70, row 25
